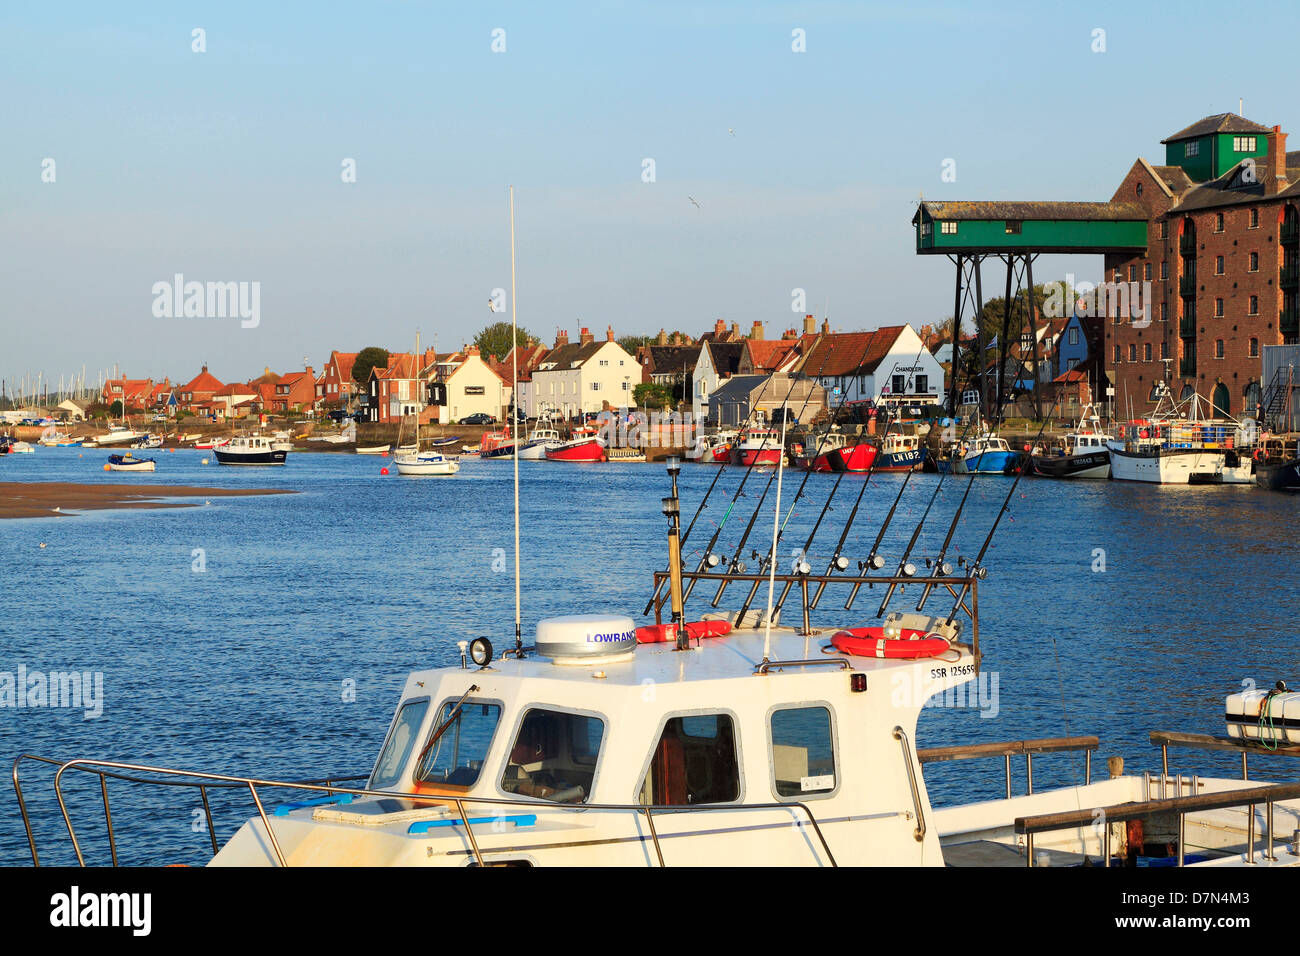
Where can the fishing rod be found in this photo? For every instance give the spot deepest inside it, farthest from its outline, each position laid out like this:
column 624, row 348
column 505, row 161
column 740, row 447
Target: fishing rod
column 941, row 567
column 977, row 568
column 811, row 460
column 709, row 559
column 905, row 568
column 873, row 560
column 708, row 551
column 740, row 547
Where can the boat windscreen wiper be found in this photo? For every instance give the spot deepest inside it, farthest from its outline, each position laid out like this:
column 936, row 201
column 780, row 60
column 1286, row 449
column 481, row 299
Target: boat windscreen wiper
column 452, row 717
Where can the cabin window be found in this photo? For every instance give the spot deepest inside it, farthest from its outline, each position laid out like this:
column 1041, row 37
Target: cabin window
column 1243, row 144
column 948, row 228
column 457, row 756
column 554, row 756
column 1192, row 149
column 803, row 751
column 694, row 762
column 397, row 748
column 1013, row 227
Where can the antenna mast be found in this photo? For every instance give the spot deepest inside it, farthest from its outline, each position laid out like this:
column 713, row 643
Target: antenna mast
column 514, row 415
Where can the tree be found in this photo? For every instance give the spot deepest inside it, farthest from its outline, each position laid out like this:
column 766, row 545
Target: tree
column 630, row 343
column 652, row 395
column 495, row 339
column 367, row 359
column 115, row 410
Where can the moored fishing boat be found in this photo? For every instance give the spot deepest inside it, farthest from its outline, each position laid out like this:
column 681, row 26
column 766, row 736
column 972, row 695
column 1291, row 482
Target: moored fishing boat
column 119, row 435
column 900, row 452
column 1277, row 463
column 1082, row 453
column 373, row 450
column 250, row 450
column 713, row 449
column 984, row 454
column 22, row 448
column 543, row 435
column 1179, row 445
column 814, row 453
column 496, row 444
column 586, row 445
column 758, row 445
column 129, row 462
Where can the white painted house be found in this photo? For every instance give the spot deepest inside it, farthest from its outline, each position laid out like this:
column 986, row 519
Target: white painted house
column 472, row 388
column 888, row 366
column 718, row 361
column 581, row 378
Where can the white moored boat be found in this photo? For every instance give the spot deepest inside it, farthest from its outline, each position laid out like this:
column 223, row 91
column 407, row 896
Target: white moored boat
column 1177, row 445
column 250, row 450
column 414, row 462
column 119, row 435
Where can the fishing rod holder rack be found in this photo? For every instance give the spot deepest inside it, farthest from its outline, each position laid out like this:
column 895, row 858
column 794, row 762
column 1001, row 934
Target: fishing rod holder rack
column 964, row 590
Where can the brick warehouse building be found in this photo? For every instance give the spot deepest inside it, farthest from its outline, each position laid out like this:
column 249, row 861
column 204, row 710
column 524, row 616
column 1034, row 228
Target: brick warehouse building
column 1223, row 258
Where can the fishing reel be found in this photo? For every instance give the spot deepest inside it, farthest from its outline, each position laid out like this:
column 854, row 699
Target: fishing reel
column 941, row 568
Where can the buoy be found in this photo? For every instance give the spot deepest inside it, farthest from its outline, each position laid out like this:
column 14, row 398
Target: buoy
column 384, row 470
column 106, row 468
column 204, row 461
column 42, row 544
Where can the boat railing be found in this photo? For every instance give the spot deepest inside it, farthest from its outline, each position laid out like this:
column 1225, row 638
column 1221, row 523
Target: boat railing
column 1249, row 797
column 1016, row 748
column 1246, row 746
column 203, row 782
column 964, row 590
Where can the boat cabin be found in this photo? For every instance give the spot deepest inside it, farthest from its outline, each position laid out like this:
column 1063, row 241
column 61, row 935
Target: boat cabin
column 557, row 754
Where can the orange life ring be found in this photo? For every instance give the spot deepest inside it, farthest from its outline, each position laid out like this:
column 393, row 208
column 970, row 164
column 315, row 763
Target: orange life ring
column 871, row 642
column 662, row 633
column 1259, row 454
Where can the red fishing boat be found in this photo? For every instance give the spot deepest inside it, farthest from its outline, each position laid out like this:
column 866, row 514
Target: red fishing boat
column 585, row 445
column 759, row 445
column 497, row 444
column 857, row 457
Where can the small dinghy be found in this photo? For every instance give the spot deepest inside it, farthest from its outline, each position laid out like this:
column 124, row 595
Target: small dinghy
column 129, row 462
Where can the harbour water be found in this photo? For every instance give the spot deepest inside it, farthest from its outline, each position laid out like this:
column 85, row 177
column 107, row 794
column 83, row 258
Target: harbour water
column 271, row 635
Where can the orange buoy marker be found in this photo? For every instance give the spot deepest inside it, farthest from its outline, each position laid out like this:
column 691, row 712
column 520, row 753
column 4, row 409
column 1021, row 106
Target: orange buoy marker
column 384, row 470
column 106, row 468
column 871, row 642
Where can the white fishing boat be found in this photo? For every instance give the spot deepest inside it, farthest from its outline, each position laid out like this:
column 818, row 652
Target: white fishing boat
column 21, row 448
column 1180, row 445
column 427, row 463
column 250, row 450
column 543, row 434
column 373, row 450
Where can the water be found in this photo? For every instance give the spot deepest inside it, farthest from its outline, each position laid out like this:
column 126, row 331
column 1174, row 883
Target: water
column 245, row 667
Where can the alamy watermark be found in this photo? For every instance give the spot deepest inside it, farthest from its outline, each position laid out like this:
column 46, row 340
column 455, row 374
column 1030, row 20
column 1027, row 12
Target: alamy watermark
column 83, row 690
column 1131, row 300
column 208, row 300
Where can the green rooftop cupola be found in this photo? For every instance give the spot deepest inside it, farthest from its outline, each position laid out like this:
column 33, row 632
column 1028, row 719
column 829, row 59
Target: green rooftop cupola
column 1210, row 147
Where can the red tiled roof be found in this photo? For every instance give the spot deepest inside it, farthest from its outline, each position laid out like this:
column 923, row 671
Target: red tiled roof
column 767, row 356
column 203, row 382
column 345, row 361
column 850, row 353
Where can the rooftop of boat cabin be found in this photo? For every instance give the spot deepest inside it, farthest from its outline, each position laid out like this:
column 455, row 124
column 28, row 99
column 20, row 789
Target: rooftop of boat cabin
column 732, row 656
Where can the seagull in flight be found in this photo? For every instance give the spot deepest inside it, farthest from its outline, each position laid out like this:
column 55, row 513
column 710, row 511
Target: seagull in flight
column 693, row 202
column 731, row 131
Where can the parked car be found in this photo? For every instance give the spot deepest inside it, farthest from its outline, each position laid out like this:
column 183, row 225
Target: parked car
column 481, row 418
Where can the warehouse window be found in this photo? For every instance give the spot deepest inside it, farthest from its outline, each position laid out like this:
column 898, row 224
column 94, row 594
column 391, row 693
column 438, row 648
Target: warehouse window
column 1254, row 219
column 1218, row 265
column 1218, row 222
column 1254, row 305
column 1254, row 262
column 1218, row 348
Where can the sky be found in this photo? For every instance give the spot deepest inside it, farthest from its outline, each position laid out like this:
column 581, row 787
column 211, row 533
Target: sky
column 773, row 169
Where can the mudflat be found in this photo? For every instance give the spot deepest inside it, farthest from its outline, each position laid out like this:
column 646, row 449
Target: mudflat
column 39, row 499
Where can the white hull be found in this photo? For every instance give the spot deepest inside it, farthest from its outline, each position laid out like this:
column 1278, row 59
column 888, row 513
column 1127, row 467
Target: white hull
column 533, row 452
column 1203, row 466
column 374, row 450
column 426, row 465
column 119, row 438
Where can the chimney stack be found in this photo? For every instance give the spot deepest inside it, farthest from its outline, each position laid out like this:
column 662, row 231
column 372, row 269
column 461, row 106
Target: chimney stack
column 677, row 338
column 719, row 328
column 561, row 338
column 585, row 337
column 756, row 333
column 662, row 339
column 826, row 326
column 1277, row 162
column 609, row 333
column 735, row 330
column 809, row 325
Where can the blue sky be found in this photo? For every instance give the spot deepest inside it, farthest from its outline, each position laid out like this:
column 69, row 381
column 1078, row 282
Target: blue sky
column 225, row 165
